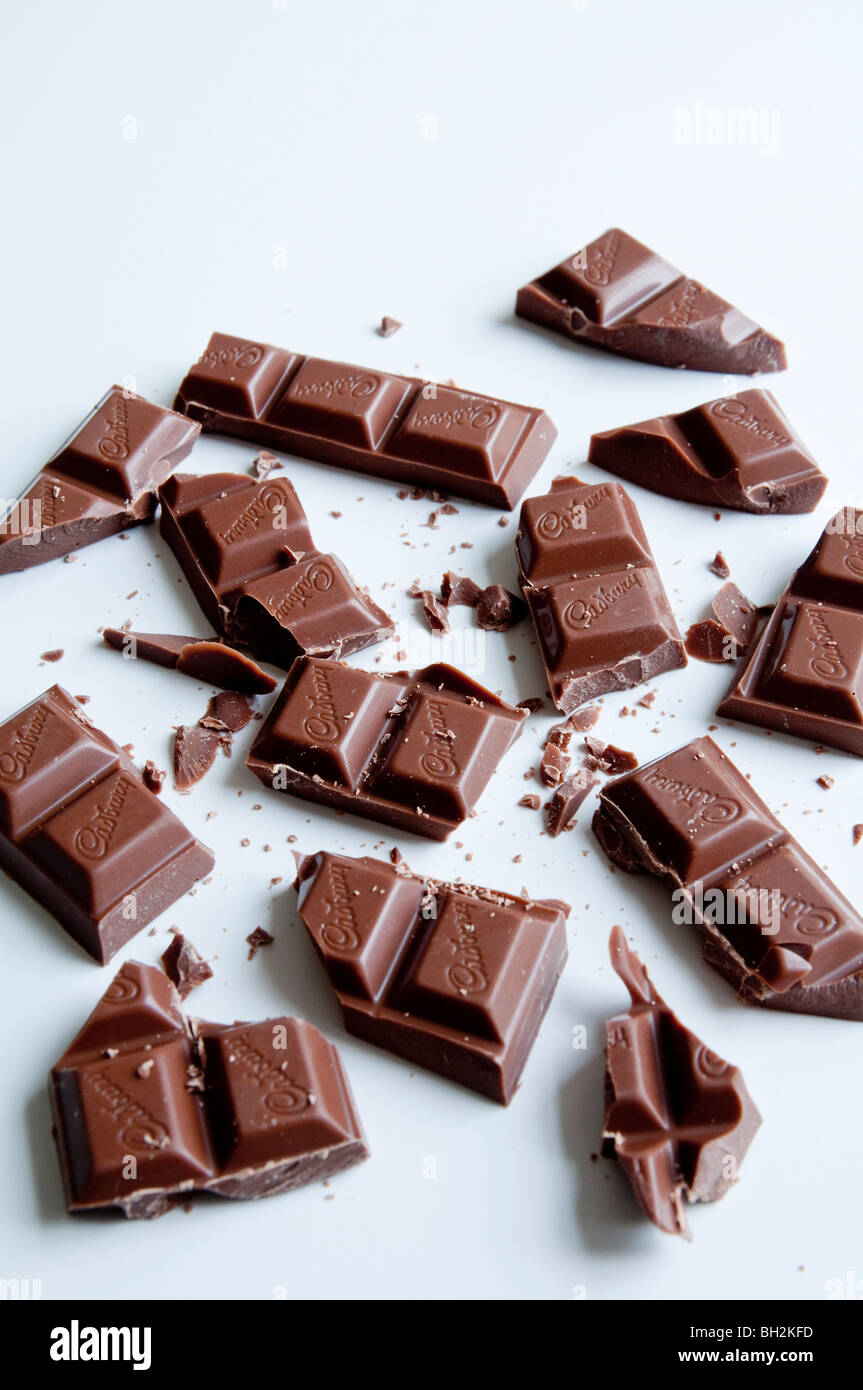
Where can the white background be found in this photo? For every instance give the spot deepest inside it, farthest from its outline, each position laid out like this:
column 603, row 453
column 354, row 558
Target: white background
column 295, row 172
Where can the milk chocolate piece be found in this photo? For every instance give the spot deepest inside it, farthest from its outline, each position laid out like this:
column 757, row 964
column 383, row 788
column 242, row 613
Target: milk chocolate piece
column 678, row 1118
column 498, row 610
column 458, row 588
column 368, row 421
column 618, row 295
column 229, row 710
column 101, row 481
column 204, row 658
column 195, row 751
column 719, row 565
column 256, row 939
column 805, row 675
column 80, row 831
column 415, row 750
column 247, row 552
column 435, row 613
column 739, row 451
column 729, row 633
column 183, row 966
column 553, row 765
column 609, row 758
column 709, row 641
column 452, row 977
column 154, row 777
column 389, row 327
column 772, row 922
column 151, row 1107
column 587, row 572
column 568, row 797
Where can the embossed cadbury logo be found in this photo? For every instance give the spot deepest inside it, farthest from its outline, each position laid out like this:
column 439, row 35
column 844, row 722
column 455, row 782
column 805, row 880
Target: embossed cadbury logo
column 359, row 385
column 240, row 355
column 551, row 525
column 438, row 761
column 604, row 259
column 323, row 720
column 826, row 659
column 739, row 414
column 706, row 806
column 15, row 760
column 809, row 919
column 279, row 1094
column 265, row 504
column 339, row 933
column 318, row 578
column 582, row 612
column 114, row 443
column 681, row 311
column 478, row 415
column 92, row 840
column 135, row 1127
column 467, row 973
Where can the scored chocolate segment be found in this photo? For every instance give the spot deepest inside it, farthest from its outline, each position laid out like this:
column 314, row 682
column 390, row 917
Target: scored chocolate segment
column 414, row 749
column 81, row 832
column 619, row 295
column 678, row 1119
column 151, row 1107
column 739, row 451
column 773, row 924
column 805, row 674
column 452, row 977
column 247, row 551
column 367, row 420
column 590, row 581
column 101, row 481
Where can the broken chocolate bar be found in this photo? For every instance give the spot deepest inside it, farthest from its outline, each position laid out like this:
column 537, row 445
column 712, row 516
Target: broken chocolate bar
column 368, row 421
column 739, row 451
column 678, row 1118
column 618, row 295
column 587, row 572
column 452, row 977
column 101, row 481
column 415, row 750
column 81, row 832
column 204, row 658
column 246, row 550
column 151, row 1107
column 805, row 676
column 772, row 922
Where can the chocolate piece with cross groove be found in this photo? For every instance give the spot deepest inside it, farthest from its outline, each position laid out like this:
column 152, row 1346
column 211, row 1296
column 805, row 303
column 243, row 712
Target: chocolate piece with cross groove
column 772, row 922
column 81, row 831
column 203, row 658
column 415, row 749
column 450, row 976
column 101, row 481
column 678, row 1119
column 151, row 1107
column 590, row 580
column 805, row 675
column 618, row 295
column 247, row 552
column 367, row 420
column 739, row 451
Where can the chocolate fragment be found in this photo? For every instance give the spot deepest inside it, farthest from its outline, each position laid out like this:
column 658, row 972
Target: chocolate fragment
column 857, row 833
column 195, row 749
column 586, row 718
column 826, row 781
column 554, row 764
column 203, row 658
column 737, row 614
column 498, row 610
column 709, row 641
column 772, row 922
column 608, row 758
column 184, row 967
column 257, row 939
column 101, row 481
column 531, row 801
column 719, row 566
column 248, row 554
column 230, row 710
column 435, row 614
column 264, row 465
column 242, row 1110
column 412, row 749
column 739, row 451
column 452, row 977
column 56, row 654
column 80, row 831
column 531, row 704
column 153, row 777
column 678, row 1119
column 459, row 589
column 618, row 295
column 389, row 327
column 368, row 421
column 568, row 798
column 587, row 572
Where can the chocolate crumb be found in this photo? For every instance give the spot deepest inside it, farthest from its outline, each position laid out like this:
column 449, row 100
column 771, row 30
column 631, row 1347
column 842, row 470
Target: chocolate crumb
column 257, row 939
column 388, row 327
column 719, row 566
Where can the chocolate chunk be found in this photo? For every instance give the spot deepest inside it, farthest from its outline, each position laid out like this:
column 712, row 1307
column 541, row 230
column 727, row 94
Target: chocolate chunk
column 184, row 967
column 412, row 749
column 153, row 777
column 554, row 764
column 498, row 610
column 195, row 749
column 532, row 704
column 531, row 801
column 229, row 710
column 737, row 614
column 568, row 798
column 719, row 566
column 678, row 1118
column 601, row 615
column 257, row 939
column 586, row 718
column 452, row 977
column 150, row 1107
column 203, row 658
column 264, row 465
column 609, row 758
column 773, row 924
column 459, row 589
column 80, row 831
column 368, row 421
column 805, row 674
column 710, row 641
column 248, row 554
column 739, row 451
column 618, row 295
column 389, row 327
column 101, row 481
column 435, row 613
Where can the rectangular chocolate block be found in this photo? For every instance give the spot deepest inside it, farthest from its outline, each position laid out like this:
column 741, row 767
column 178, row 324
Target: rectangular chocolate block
column 101, row 481
column 454, row 978
column 367, row 420
column 618, row 295
column 247, row 551
column 739, row 451
column 587, row 572
column 81, row 832
column 151, row 1107
column 415, row 749
column 805, row 675
column 773, row 924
